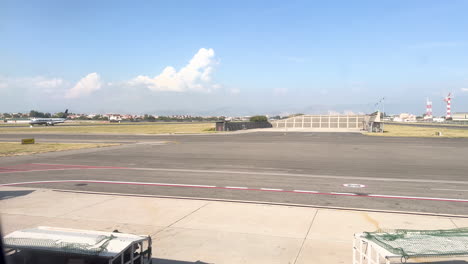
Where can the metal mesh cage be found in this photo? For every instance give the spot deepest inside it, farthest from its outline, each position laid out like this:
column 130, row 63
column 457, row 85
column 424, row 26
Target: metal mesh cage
column 60, row 246
column 419, row 243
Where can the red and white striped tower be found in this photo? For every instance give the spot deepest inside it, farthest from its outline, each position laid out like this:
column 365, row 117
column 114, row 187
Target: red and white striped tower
column 428, row 109
column 448, row 100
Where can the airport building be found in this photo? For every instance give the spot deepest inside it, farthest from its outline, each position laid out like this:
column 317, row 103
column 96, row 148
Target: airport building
column 405, row 117
column 460, row 116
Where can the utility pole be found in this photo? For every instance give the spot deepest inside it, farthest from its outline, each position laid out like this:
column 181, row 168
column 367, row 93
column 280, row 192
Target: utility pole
column 383, row 110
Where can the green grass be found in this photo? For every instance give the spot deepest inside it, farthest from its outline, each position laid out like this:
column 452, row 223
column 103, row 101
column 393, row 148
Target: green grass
column 432, row 124
column 147, row 128
column 15, row 149
column 13, row 124
column 412, row 131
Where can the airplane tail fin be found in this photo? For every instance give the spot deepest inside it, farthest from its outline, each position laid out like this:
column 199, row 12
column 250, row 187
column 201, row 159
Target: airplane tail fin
column 65, row 114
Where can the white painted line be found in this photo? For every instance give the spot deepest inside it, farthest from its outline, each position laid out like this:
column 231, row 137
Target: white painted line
column 187, row 185
column 36, row 182
column 261, row 189
column 236, row 187
column 456, row 190
column 274, row 174
column 302, row 191
column 151, row 143
column 113, row 182
column 354, row 185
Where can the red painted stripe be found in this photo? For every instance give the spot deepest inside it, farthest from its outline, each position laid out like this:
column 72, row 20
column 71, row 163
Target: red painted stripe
column 49, row 167
column 248, row 189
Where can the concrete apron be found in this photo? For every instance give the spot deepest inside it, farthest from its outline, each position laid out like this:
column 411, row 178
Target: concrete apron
column 210, row 231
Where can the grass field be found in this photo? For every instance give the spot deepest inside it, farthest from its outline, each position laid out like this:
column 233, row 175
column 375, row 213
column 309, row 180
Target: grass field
column 432, row 124
column 15, row 149
column 410, row 131
column 148, row 128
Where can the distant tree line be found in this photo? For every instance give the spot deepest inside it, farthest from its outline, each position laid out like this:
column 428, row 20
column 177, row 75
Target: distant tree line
column 145, row 118
column 259, row 118
column 151, row 118
column 34, row 113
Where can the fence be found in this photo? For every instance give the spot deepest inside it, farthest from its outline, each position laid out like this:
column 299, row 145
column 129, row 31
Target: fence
column 322, row 121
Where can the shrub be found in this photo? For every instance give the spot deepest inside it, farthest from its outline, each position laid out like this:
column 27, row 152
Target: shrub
column 258, row 118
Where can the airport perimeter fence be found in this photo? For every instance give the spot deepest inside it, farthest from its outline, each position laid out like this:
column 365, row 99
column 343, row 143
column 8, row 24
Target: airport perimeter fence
column 323, row 121
column 233, row 126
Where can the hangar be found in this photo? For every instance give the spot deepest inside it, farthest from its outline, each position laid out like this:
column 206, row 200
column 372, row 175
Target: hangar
column 460, row 116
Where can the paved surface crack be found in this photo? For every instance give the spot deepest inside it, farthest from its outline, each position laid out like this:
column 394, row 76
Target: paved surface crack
column 305, row 237
column 182, row 218
column 454, row 223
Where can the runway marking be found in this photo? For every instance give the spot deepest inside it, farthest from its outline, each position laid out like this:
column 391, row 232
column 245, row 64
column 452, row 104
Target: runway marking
column 354, row 185
column 236, row 187
column 154, row 143
column 113, row 182
column 67, row 167
column 271, row 189
column 246, row 189
column 302, row 191
column 449, row 190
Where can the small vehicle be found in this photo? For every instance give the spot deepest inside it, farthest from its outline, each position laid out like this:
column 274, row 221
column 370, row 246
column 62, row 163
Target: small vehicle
column 49, row 245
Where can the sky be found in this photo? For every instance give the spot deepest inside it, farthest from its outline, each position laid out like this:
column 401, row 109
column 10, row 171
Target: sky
column 233, row 57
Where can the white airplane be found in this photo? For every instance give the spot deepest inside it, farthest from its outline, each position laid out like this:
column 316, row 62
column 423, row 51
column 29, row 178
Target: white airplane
column 48, row 121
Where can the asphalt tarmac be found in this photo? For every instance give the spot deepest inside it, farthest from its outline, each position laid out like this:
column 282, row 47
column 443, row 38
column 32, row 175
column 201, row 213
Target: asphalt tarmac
column 347, row 170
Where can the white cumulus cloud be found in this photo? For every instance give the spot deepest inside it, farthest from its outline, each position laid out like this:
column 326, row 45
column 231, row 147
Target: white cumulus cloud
column 86, row 86
column 195, row 76
column 464, row 89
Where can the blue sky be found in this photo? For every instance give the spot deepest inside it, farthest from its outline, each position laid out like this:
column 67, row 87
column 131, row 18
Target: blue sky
column 232, row 57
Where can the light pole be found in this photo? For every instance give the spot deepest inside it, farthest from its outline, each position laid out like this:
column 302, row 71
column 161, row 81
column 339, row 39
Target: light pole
column 383, row 110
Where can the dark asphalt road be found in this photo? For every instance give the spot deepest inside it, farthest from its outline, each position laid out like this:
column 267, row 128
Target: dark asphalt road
column 272, row 166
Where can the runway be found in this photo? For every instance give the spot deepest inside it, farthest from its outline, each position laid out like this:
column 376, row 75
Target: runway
column 325, row 169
